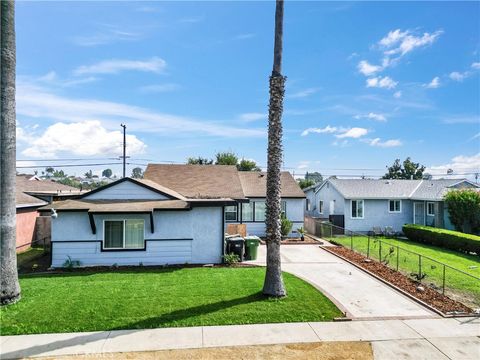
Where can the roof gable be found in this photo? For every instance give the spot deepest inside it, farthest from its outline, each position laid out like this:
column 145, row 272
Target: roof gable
column 132, row 189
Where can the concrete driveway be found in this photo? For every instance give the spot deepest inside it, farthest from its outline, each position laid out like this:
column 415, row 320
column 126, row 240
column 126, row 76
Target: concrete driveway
column 353, row 291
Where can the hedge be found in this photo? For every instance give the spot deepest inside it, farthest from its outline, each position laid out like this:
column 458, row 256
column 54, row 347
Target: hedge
column 448, row 239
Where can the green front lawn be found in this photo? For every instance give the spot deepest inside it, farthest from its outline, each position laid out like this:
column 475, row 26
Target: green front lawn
column 408, row 262
column 150, row 298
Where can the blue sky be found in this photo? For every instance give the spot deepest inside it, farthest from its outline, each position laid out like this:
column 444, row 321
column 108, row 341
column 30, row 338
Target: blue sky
column 368, row 82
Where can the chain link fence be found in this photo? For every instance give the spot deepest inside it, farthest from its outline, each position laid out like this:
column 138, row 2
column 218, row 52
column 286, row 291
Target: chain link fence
column 454, row 283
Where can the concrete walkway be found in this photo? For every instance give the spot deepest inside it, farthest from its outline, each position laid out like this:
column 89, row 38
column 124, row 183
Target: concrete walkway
column 352, row 290
column 390, row 339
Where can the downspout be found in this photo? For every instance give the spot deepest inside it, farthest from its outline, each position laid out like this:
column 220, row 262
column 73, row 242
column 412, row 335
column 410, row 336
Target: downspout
column 223, row 231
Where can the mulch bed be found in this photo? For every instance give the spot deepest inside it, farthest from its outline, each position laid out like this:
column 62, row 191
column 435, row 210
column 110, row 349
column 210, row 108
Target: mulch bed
column 428, row 295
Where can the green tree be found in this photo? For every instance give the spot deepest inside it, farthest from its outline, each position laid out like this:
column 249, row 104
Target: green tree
column 89, row 174
column 226, row 158
column 199, row 161
column 247, row 165
column 464, row 210
column 274, row 285
column 107, row 173
column 407, row 170
column 49, row 171
column 9, row 285
column 315, row 176
column 304, row 183
column 59, row 174
column 137, row 173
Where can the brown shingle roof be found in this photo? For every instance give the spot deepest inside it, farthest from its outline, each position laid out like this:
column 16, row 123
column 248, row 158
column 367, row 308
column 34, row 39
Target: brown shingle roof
column 198, row 181
column 254, row 184
column 24, row 186
column 99, row 206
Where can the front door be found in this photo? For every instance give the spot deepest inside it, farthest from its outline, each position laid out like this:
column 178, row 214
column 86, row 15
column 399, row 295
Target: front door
column 419, row 213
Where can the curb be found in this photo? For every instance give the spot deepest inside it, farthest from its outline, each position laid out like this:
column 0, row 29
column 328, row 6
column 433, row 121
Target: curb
column 407, row 294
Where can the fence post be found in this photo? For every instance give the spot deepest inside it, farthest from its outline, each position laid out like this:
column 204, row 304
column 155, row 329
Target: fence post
column 420, row 268
column 351, row 240
column 368, row 247
column 443, row 285
column 398, row 255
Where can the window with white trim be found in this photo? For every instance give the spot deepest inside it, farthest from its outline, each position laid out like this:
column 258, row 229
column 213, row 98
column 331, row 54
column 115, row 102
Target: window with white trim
column 431, row 209
column 247, row 211
column 357, row 209
column 307, row 204
column 231, row 213
column 260, row 211
column 395, row 206
column 124, row 234
column 320, row 206
column 284, row 208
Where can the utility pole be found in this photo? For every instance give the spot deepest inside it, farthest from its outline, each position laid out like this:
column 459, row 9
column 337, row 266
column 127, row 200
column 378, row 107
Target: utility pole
column 124, row 157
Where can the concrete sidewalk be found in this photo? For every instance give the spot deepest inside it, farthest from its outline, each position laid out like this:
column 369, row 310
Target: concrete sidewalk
column 391, row 339
column 352, row 290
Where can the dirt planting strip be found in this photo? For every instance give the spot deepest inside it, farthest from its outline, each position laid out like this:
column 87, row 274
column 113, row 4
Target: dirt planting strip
column 418, row 290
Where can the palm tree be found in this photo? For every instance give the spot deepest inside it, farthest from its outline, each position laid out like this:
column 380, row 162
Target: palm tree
column 273, row 285
column 9, row 286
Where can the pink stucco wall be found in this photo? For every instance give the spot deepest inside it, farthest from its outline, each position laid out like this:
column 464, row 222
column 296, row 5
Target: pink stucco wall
column 25, row 227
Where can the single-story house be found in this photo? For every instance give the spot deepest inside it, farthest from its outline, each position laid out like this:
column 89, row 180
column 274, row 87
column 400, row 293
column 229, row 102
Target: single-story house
column 361, row 204
column 31, row 194
column 176, row 214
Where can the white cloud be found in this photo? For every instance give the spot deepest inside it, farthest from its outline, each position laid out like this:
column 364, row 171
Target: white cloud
column 114, row 66
column 476, row 65
column 52, row 78
column 384, row 144
column 435, row 83
column 303, row 93
column 392, row 38
column 304, row 164
column 379, row 82
column 354, row 133
column 37, row 102
column 459, row 164
column 368, row 69
column 252, row 116
column 461, row 119
column 397, row 94
column 245, row 36
column 107, row 35
column 159, row 88
column 84, row 138
column 458, row 76
column 326, row 130
column 401, row 43
column 372, row 116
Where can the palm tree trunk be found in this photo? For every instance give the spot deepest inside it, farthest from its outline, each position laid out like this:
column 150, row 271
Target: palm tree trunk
column 274, row 285
column 9, row 286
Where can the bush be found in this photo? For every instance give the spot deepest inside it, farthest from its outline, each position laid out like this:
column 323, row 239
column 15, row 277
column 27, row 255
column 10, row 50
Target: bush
column 448, row 239
column 464, row 209
column 285, row 226
column 230, row 259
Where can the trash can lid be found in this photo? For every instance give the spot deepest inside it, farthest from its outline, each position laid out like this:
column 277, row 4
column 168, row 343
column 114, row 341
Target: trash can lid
column 252, row 237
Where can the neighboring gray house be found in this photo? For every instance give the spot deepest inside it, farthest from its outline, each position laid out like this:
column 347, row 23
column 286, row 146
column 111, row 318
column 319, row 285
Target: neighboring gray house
column 177, row 214
column 364, row 203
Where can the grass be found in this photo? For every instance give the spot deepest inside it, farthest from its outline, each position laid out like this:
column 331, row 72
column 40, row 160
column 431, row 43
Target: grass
column 151, row 298
column 409, row 262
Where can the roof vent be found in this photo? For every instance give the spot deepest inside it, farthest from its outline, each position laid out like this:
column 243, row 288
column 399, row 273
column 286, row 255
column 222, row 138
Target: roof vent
column 261, row 175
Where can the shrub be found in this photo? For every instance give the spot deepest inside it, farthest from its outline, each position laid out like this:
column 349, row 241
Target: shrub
column 69, row 264
column 464, row 209
column 231, row 259
column 448, row 239
column 285, row 226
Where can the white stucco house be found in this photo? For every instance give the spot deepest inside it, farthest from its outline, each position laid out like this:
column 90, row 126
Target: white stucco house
column 175, row 215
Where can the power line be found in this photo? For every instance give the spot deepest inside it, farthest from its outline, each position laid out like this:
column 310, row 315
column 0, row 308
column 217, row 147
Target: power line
column 65, row 165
